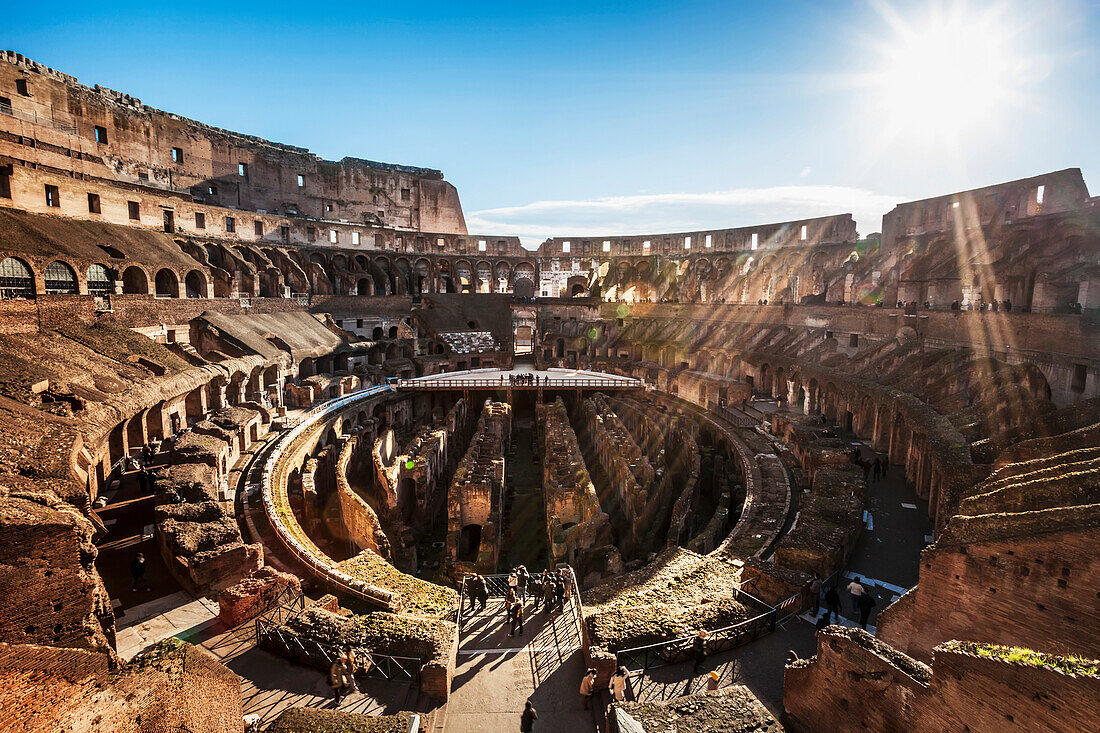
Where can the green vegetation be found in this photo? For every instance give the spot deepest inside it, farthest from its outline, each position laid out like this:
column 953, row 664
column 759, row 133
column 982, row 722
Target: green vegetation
column 1072, row 664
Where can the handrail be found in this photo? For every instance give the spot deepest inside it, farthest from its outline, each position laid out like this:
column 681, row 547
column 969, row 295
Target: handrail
column 548, row 383
column 298, row 549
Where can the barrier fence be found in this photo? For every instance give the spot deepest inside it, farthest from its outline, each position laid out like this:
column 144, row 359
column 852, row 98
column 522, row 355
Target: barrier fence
column 548, row 383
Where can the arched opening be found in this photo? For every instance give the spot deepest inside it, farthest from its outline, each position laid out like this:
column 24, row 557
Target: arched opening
column 524, row 288
column 16, row 280
column 469, row 543
column 376, row 334
column 167, row 285
column 135, row 281
column 195, row 284
column 99, row 280
column 60, row 279
column 577, row 291
column 393, row 332
column 559, row 348
column 362, row 286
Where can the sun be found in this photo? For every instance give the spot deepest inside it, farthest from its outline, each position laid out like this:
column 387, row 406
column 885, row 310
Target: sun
column 947, row 73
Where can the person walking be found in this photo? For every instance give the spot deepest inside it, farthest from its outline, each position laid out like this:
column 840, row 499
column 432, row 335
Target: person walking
column 559, row 594
column 865, row 603
column 536, row 593
column 471, row 590
column 699, row 650
column 855, row 590
column 528, row 718
column 352, row 667
column 617, row 685
column 567, row 580
column 587, row 685
column 341, row 677
column 832, row 603
column 516, row 617
column 137, row 571
column 815, row 595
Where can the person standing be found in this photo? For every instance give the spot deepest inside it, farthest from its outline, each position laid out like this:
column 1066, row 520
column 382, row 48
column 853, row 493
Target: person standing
column 815, row 595
column 587, row 685
column 137, row 570
column 523, row 578
column 471, row 590
column 559, row 594
column 617, row 685
column 855, row 590
column 832, row 603
column 699, row 650
column 528, row 718
column 548, row 594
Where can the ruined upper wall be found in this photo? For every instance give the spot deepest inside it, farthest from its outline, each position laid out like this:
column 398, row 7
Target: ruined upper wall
column 800, row 232
column 119, row 138
column 989, row 206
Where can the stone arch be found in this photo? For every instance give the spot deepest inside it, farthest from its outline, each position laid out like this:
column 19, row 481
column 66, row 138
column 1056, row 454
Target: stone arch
column 380, row 268
column 167, row 284
column 464, row 276
column 134, row 280
column 100, row 281
column 60, row 279
column 422, row 279
column 364, row 286
column 16, row 279
column 195, row 284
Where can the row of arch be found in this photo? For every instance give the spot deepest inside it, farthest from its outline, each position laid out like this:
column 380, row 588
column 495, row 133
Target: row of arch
column 18, row 280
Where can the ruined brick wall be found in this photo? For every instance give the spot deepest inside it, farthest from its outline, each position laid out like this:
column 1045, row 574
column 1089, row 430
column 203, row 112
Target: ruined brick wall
column 52, row 592
column 173, row 687
column 359, row 523
column 856, row 683
column 1031, row 588
column 578, row 529
column 149, row 150
column 475, row 493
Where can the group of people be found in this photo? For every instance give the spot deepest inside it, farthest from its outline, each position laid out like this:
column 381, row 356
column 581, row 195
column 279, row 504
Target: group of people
column 876, row 467
column 550, row 589
column 523, row 379
column 862, row 601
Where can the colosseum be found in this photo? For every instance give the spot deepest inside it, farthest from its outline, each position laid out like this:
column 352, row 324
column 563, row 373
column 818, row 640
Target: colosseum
column 285, row 447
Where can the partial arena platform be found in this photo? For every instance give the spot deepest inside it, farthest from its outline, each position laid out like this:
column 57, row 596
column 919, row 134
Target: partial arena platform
column 519, row 378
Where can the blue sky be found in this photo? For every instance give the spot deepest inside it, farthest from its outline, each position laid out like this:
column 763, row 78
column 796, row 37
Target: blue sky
column 579, row 118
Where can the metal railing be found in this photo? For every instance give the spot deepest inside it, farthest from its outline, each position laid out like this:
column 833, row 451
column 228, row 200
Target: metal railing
column 310, row 652
column 644, row 658
column 548, row 383
column 651, row 656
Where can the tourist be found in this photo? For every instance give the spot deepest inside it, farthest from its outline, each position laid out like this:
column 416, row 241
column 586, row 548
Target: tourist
column 559, row 593
column 523, row 577
column 832, row 603
column 587, row 684
column 617, row 685
column 480, row 592
column 699, row 650
column 341, row 677
column 137, row 570
column 143, row 480
column 712, row 682
column 548, row 594
column 855, row 590
column 528, row 718
column 864, row 603
column 516, row 618
column 510, row 598
column 353, row 666
column 567, row 580
column 471, row 590
column 814, row 586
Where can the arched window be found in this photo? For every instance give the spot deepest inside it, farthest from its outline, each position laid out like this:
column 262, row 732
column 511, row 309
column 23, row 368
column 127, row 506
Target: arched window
column 60, row 279
column 195, row 284
column 15, row 279
column 99, row 280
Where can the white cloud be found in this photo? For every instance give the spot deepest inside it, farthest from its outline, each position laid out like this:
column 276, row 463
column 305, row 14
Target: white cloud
column 677, row 212
column 805, row 172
